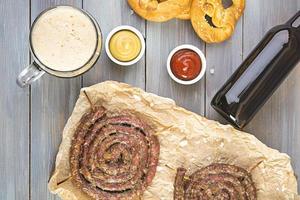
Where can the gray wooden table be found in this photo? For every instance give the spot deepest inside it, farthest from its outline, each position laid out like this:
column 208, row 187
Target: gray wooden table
column 32, row 119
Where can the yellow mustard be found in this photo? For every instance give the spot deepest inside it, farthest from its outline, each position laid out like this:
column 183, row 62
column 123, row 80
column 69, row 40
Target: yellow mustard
column 125, row 46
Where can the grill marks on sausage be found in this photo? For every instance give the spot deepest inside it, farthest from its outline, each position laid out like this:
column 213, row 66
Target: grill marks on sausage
column 215, row 182
column 113, row 157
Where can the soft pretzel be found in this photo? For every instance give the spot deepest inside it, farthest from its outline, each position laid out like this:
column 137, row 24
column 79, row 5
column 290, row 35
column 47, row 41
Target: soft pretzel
column 186, row 14
column 223, row 20
column 159, row 10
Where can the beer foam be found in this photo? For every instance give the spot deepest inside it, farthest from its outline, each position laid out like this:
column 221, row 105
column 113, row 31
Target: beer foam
column 64, row 38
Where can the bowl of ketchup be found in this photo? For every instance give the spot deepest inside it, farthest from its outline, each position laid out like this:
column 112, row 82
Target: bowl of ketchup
column 186, row 64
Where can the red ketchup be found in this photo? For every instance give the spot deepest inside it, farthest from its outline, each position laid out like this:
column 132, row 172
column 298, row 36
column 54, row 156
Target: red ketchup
column 186, row 64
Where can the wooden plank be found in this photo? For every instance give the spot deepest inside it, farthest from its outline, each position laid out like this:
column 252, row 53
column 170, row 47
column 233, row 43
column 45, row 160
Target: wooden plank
column 278, row 122
column 222, row 60
column 161, row 39
column 14, row 101
column 110, row 14
column 52, row 102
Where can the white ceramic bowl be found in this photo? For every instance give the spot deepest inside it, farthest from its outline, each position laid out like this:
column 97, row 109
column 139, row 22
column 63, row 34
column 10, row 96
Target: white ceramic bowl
column 132, row 29
column 203, row 60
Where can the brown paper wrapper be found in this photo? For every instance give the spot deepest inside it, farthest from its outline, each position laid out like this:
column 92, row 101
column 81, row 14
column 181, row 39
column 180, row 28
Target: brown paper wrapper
column 186, row 140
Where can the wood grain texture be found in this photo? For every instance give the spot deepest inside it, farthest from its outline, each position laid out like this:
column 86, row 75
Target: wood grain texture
column 161, row 39
column 110, row 14
column 52, row 103
column 31, row 120
column 14, row 101
column 278, row 122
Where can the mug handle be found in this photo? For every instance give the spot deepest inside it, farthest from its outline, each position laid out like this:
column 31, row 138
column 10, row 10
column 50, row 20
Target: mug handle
column 29, row 75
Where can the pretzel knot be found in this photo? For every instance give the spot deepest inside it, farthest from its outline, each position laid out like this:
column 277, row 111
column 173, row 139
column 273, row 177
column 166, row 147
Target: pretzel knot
column 212, row 22
column 160, row 10
column 186, row 14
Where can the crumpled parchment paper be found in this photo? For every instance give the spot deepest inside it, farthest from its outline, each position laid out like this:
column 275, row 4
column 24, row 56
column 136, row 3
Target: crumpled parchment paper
column 186, row 140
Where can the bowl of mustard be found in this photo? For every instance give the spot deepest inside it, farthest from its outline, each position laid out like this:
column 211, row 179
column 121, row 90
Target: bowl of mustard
column 125, row 45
